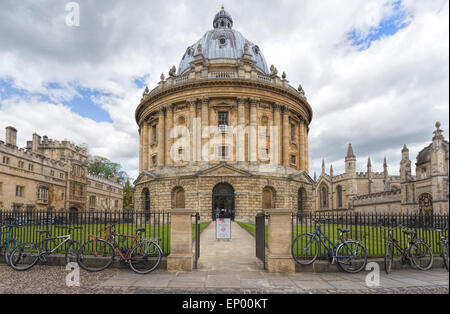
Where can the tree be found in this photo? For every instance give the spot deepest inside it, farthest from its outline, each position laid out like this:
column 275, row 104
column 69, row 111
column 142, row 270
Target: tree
column 102, row 166
column 128, row 192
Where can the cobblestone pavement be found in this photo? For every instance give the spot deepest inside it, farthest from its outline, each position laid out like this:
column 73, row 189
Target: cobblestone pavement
column 225, row 268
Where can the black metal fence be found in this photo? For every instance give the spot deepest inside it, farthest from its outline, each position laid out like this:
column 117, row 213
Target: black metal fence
column 260, row 235
column 26, row 224
column 371, row 229
column 196, row 218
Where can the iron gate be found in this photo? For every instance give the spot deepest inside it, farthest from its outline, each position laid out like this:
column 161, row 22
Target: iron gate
column 197, row 240
column 261, row 237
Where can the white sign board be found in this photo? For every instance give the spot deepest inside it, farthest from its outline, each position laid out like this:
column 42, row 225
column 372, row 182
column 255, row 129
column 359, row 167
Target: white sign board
column 223, row 228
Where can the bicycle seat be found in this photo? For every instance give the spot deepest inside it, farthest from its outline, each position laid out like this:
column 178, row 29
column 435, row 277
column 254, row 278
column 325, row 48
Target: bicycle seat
column 441, row 230
column 343, row 230
column 409, row 231
column 140, row 230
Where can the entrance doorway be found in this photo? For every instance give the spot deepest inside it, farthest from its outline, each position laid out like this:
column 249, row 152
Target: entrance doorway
column 223, row 201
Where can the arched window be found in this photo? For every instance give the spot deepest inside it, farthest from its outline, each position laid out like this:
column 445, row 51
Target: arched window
column 339, row 196
column 146, row 193
column 267, row 198
column 324, row 197
column 178, row 198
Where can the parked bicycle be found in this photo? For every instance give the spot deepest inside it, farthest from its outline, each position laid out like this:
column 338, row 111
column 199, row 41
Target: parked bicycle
column 443, row 243
column 416, row 252
column 350, row 255
column 7, row 243
column 26, row 255
column 142, row 255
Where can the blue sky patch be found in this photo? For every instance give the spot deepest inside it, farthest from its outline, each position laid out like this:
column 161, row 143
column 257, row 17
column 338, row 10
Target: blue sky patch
column 388, row 26
column 85, row 103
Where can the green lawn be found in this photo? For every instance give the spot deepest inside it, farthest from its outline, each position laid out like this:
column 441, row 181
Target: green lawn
column 161, row 233
column 373, row 238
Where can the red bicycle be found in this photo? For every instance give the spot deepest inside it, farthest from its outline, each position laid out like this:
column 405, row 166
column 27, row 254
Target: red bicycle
column 142, row 255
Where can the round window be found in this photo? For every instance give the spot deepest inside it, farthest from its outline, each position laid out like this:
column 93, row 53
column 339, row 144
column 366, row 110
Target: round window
column 222, row 41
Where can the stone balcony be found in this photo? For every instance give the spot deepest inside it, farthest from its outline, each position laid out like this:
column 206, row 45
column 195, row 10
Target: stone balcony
column 236, row 74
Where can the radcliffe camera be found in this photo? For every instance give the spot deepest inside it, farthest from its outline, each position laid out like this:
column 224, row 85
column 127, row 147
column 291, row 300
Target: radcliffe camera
column 224, row 156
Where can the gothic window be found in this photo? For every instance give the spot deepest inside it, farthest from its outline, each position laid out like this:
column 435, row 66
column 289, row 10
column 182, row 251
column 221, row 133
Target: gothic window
column 426, row 204
column 324, row 198
column 339, row 196
column 154, row 160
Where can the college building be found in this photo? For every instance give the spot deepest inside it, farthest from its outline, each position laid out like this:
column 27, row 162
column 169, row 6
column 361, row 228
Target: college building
column 50, row 174
column 226, row 132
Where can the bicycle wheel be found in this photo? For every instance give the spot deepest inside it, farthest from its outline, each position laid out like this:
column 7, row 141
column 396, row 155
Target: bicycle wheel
column 388, row 257
column 6, row 249
column 421, row 255
column 95, row 256
column 24, row 256
column 72, row 252
column 351, row 256
column 444, row 253
column 305, row 249
column 145, row 257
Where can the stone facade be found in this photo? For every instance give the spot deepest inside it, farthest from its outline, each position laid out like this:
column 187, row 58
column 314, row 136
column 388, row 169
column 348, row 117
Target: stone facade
column 383, row 193
column 51, row 174
column 224, row 120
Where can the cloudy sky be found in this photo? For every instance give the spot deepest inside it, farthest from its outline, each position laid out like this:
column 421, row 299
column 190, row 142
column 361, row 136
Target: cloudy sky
column 376, row 73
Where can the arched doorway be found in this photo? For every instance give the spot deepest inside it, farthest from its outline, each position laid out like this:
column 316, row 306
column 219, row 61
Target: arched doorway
column 223, row 201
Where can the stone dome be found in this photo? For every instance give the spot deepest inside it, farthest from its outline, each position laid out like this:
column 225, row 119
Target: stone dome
column 223, row 42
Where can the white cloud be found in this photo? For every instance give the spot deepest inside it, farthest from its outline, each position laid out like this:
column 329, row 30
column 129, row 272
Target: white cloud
column 378, row 98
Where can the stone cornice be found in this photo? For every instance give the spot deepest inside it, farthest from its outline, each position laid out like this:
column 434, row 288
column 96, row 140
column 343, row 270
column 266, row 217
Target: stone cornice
column 208, row 83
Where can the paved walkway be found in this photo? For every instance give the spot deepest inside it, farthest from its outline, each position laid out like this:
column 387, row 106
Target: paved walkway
column 237, row 254
column 231, row 267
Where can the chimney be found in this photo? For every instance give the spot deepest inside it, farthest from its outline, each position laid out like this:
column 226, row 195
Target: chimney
column 11, row 136
column 36, row 141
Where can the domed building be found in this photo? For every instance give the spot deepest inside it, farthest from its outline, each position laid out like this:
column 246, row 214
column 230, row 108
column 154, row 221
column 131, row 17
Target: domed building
column 224, row 133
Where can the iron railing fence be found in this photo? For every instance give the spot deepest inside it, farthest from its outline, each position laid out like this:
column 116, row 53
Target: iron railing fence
column 92, row 222
column 371, row 229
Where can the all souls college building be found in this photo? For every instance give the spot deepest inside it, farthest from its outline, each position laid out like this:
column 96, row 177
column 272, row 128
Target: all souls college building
column 225, row 131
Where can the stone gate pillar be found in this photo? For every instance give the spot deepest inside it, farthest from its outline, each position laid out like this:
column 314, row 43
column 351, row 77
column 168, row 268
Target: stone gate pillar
column 181, row 257
column 279, row 258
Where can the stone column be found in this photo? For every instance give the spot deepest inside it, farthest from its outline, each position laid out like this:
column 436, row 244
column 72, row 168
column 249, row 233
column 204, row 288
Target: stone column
column 279, row 258
column 301, row 147
column 285, row 136
column 252, row 141
column 192, row 136
column 306, row 148
column 145, row 146
column 141, row 153
column 161, row 139
column 241, row 131
column 205, row 131
column 181, row 257
column 169, row 127
column 277, row 152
